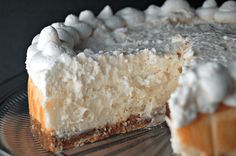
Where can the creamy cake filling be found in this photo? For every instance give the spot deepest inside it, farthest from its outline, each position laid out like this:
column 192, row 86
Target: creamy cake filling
column 91, row 92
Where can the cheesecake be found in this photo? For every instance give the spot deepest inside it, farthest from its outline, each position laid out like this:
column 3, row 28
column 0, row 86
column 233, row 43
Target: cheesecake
column 91, row 77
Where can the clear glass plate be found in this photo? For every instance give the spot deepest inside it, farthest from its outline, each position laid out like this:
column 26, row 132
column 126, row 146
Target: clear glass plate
column 16, row 138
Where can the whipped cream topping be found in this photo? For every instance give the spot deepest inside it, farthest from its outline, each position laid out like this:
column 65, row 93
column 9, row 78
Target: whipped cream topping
column 172, row 11
column 88, row 17
column 130, row 31
column 70, row 32
column 105, row 13
column 207, row 11
column 226, row 13
column 174, row 6
column 114, row 22
column 111, row 21
column 201, row 89
column 35, row 39
column 131, row 16
column 153, row 13
column 177, row 10
column 48, row 34
column 52, row 49
column 84, row 29
column 209, row 4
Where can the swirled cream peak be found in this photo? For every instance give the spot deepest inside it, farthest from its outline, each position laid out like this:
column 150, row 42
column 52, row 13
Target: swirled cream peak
column 209, row 4
column 228, row 6
column 201, row 89
column 153, row 13
column 70, row 30
column 71, row 20
column 177, row 10
column 84, row 29
column 31, row 51
column 226, row 13
column 48, row 34
column 35, row 39
column 207, row 11
column 153, row 10
column 215, row 83
column 111, row 21
column 66, row 37
column 175, row 6
column 88, row 17
column 105, row 13
column 131, row 16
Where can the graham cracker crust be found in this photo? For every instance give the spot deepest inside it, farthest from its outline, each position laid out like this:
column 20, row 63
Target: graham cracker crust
column 53, row 143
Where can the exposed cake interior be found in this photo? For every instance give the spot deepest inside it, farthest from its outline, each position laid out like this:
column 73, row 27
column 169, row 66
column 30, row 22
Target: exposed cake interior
column 86, row 93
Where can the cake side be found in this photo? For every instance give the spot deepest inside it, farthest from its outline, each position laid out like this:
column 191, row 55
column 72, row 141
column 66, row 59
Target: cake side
column 208, row 134
column 35, row 100
column 52, row 142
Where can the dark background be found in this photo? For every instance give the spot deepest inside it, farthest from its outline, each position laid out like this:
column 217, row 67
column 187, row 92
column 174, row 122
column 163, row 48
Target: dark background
column 21, row 20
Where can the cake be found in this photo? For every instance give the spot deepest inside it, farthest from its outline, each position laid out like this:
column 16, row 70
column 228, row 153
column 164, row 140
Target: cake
column 94, row 77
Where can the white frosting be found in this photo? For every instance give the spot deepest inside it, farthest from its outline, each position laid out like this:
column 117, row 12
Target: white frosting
column 232, row 69
column 111, row 21
column 228, row 6
column 32, row 50
column 66, row 37
column 71, row 19
column 114, row 22
column 209, row 75
column 131, row 16
column 209, row 4
column 48, row 34
column 226, row 13
column 153, row 10
column 177, row 10
column 35, row 39
column 201, row 89
column 72, row 32
column 52, row 60
column 153, row 13
column 84, row 29
column 52, row 49
column 207, row 11
column 88, row 17
column 230, row 100
column 39, row 63
column 171, row 6
column 105, row 13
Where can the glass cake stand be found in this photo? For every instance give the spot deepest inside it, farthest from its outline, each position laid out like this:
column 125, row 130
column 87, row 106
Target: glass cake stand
column 16, row 138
